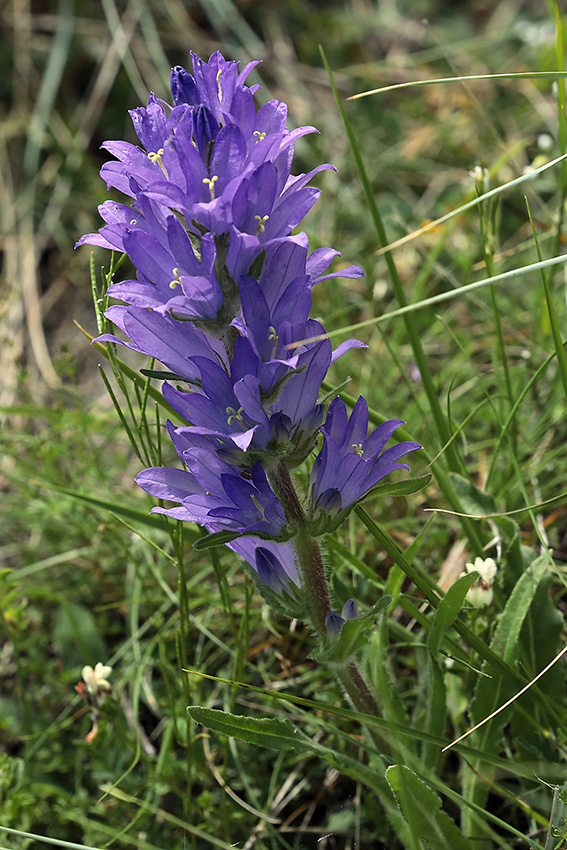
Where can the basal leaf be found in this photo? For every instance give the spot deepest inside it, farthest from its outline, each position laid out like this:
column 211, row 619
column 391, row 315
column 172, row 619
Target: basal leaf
column 448, row 610
column 281, row 734
column 274, row 733
column 434, row 680
column 421, row 808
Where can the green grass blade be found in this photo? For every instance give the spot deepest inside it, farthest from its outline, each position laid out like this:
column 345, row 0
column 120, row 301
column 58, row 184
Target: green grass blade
column 555, row 330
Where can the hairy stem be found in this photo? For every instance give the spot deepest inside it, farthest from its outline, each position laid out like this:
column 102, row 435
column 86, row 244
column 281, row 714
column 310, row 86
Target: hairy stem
column 314, row 583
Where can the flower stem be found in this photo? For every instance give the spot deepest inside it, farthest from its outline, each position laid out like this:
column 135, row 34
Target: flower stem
column 363, row 700
column 310, row 561
column 314, row 583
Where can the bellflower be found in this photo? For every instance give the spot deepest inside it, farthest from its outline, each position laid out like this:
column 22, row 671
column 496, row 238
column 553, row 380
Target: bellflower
column 351, row 463
column 273, row 562
column 334, row 623
column 217, row 496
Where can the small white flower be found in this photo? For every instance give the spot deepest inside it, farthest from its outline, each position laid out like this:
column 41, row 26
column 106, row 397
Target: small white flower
column 478, row 596
column 544, row 142
column 486, row 569
column 481, row 593
column 479, row 174
column 97, row 680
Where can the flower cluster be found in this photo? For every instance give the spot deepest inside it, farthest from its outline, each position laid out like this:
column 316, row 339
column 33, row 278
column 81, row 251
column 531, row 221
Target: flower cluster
column 221, row 298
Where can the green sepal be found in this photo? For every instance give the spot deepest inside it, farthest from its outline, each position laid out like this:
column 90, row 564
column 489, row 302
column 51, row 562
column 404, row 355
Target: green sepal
column 400, row 488
column 216, row 538
column 287, row 604
column 162, row 375
column 257, row 265
column 353, row 636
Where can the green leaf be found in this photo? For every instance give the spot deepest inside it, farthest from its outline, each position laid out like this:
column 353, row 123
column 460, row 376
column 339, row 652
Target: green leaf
column 421, row 808
column 490, row 694
column 162, row 375
column 473, row 500
column 434, row 679
column 281, row 734
column 508, row 528
column 401, row 488
column 448, row 610
column 274, row 733
column 508, row 630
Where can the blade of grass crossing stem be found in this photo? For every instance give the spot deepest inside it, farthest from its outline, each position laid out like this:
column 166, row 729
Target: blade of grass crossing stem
column 280, row 734
column 525, row 390
column 561, row 119
column 316, row 711
column 436, row 701
column 121, row 416
column 431, row 593
column 453, row 458
column 556, row 333
column 103, row 348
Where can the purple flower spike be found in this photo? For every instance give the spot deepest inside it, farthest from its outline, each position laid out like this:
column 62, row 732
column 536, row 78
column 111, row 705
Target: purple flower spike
column 221, row 298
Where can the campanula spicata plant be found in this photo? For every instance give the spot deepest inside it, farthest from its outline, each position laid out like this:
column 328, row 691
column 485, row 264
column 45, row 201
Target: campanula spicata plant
column 222, row 297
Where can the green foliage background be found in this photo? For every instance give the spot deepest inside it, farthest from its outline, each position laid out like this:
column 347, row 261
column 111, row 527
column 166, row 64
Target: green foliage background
column 85, row 576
